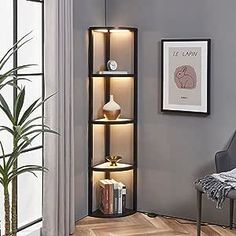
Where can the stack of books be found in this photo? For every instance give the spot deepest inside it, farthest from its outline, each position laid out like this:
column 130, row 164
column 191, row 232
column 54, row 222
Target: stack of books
column 113, row 196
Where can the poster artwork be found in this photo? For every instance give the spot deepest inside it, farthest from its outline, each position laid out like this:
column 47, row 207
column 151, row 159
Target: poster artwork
column 185, row 75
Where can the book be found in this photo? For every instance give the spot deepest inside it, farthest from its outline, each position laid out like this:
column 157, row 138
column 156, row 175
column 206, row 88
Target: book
column 113, row 72
column 123, row 196
column 119, row 199
column 104, row 186
column 111, row 198
column 115, row 196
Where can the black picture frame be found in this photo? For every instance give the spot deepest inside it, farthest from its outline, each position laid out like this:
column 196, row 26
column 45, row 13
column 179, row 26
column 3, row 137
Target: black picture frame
column 191, row 59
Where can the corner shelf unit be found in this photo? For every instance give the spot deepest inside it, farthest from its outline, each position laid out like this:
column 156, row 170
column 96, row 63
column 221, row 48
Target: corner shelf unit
column 112, row 137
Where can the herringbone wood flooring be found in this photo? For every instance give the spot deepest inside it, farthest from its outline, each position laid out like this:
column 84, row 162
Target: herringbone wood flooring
column 141, row 225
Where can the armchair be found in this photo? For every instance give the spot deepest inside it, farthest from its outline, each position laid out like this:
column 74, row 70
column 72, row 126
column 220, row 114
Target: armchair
column 224, row 161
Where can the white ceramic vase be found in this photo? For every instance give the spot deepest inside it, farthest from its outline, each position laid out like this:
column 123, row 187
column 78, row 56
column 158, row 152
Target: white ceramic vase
column 111, row 110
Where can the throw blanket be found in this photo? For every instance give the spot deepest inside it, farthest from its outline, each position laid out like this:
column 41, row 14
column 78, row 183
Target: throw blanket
column 217, row 186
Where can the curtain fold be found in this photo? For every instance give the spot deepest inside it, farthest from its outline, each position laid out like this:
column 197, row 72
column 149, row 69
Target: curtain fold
column 58, row 193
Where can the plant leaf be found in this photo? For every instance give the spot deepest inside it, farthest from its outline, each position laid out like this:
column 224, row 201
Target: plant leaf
column 14, row 48
column 19, row 104
column 34, row 126
column 2, row 181
column 3, row 154
column 12, row 71
column 5, row 108
column 42, row 102
column 25, row 125
column 26, row 143
column 28, row 112
column 42, row 131
column 12, row 82
column 11, row 160
column 7, row 129
column 26, row 169
column 11, row 53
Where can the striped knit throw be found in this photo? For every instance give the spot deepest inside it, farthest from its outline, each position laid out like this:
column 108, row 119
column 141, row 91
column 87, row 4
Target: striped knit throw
column 217, row 186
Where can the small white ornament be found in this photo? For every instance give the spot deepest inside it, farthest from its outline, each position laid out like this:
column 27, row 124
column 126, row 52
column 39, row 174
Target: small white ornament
column 111, row 65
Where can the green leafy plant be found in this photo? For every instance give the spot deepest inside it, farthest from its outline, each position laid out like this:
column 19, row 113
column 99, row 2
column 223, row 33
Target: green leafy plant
column 7, row 174
column 24, row 128
column 9, row 77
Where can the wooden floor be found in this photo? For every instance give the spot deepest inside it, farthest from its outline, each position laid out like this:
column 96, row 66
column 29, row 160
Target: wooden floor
column 140, row 224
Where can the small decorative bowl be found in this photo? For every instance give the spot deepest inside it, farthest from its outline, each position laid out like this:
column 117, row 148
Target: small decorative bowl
column 113, row 160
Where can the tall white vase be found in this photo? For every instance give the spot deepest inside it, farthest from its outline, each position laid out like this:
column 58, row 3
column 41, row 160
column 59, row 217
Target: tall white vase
column 111, row 110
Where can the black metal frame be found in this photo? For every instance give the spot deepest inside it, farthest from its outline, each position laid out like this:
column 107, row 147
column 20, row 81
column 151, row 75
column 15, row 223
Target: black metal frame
column 15, row 64
column 208, row 75
column 107, row 124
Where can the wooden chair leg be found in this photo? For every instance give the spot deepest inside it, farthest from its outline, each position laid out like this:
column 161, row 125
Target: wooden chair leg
column 231, row 214
column 199, row 212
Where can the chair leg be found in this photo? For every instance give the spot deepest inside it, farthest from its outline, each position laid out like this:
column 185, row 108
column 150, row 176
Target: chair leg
column 231, row 214
column 199, row 212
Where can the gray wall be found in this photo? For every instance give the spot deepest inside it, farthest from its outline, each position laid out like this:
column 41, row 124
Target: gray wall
column 176, row 149
column 86, row 13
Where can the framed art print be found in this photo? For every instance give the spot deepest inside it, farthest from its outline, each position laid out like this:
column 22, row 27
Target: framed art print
column 186, row 75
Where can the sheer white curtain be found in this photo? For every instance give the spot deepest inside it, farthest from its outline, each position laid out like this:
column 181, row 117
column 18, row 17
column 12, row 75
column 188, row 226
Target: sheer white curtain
column 58, row 198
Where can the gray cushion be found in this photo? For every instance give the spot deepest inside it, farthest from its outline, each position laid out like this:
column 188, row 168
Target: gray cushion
column 231, row 194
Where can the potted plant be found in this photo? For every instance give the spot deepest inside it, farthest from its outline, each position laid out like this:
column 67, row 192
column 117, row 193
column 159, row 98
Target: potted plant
column 24, row 128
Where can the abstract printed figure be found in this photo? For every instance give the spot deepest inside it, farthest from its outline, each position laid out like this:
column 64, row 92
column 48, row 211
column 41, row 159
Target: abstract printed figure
column 185, row 77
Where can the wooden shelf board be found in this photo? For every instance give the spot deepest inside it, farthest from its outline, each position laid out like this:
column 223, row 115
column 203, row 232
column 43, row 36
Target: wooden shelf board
column 114, row 122
column 99, row 214
column 112, row 75
column 106, row 167
column 112, row 28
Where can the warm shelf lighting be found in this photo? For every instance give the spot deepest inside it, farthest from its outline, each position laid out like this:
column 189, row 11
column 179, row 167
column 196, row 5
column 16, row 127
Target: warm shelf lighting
column 113, row 78
column 117, row 120
column 111, row 30
column 107, row 165
column 119, row 30
column 101, row 30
